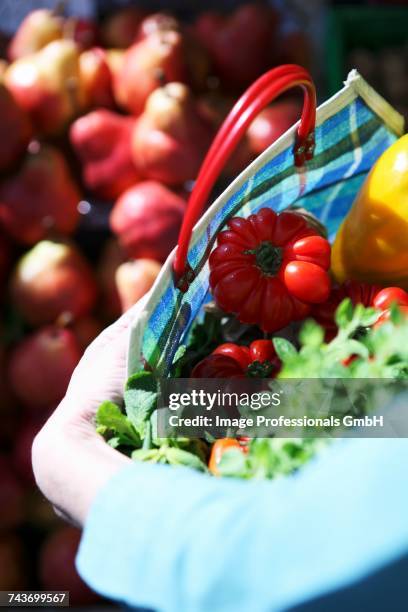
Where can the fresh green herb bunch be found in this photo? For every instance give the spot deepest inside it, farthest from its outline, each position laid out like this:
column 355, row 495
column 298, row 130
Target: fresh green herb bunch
column 358, row 351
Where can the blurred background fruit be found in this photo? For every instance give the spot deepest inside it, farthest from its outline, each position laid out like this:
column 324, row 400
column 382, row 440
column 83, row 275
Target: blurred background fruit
column 50, row 280
column 47, row 85
column 102, row 142
column 147, row 218
column 40, row 197
column 39, row 28
column 41, row 366
column 170, row 138
column 134, row 279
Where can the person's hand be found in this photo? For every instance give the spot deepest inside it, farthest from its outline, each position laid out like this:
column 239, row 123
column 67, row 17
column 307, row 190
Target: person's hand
column 71, row 462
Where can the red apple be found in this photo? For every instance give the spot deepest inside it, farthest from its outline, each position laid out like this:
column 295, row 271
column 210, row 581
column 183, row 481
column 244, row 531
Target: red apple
column 41, row 366
column 39, row 197
column 102, row 141
column 134, row 279
column 147, row 219
column 57, row 566
column 171, row 138
column 271, row 123
column 50, row 280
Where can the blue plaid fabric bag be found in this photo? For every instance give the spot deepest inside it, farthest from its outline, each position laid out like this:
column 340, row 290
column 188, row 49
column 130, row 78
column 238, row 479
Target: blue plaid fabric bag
column 353, row 128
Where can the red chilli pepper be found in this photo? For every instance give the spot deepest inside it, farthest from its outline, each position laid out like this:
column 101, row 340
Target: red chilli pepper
column 269, row 268
column 229, row 360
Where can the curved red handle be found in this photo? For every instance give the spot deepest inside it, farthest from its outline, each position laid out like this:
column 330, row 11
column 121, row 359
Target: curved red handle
column 257, row 96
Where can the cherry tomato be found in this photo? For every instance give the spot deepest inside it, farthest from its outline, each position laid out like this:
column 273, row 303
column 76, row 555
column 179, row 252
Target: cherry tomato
column 241, row 354
column 217, row 451
column 307, row 281
column 391, row 295
column 262, row 350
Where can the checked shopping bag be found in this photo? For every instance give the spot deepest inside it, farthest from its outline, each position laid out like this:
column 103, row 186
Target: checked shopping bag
column 319, row 165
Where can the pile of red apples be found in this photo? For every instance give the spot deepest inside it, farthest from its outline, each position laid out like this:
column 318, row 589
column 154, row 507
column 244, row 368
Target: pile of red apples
column 116, row 114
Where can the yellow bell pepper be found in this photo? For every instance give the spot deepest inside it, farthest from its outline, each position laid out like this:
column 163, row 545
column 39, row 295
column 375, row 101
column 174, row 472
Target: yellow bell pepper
column 372, row 242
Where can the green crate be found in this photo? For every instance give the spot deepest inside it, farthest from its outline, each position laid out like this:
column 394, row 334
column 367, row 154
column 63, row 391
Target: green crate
column 350, row 27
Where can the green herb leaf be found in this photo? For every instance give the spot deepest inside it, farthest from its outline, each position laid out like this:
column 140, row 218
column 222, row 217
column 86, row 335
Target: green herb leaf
column 151, row 455
column 110, row 418
column 311, row 334
column 348, row 348
column 344, row 313
column 140, row 399
column 114, row 442
column 397, row 316
column 368, row 317
column 233, row 463
column 177, row 456
column 284, row 349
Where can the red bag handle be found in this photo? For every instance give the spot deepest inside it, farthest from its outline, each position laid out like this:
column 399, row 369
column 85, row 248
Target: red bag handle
column 257, row 96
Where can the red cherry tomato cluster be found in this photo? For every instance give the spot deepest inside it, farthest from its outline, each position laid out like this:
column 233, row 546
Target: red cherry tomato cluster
column 359, row 293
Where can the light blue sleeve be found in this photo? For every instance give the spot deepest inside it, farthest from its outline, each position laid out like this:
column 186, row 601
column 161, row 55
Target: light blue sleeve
column 170, row 539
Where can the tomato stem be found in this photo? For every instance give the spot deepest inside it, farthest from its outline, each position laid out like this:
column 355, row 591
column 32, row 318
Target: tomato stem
column 258, row 369
column 268, row 257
